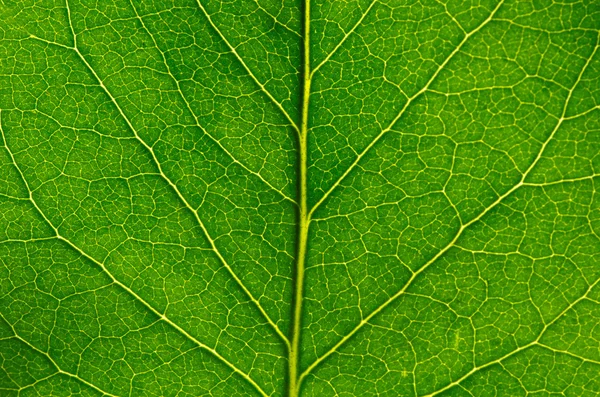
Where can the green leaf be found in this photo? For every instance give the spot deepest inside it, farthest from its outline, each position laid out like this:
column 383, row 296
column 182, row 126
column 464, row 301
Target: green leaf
column 300, row 198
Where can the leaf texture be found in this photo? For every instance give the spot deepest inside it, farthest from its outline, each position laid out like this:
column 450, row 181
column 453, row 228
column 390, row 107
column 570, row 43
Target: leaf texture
column 300, row 198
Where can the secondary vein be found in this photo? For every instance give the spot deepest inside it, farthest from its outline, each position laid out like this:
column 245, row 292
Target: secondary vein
column 196, row 119
column 535, row 342
column 248, row 70
column 59, row 370
column 403, row 110
column 173, row 186
column 115, row 281
column 460, row 232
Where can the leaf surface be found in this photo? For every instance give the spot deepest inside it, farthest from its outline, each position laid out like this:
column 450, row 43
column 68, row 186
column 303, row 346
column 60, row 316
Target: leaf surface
column 320, row 198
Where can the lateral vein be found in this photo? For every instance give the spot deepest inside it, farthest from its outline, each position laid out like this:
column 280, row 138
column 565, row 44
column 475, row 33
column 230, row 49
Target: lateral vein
column 115, row 280
column 59, row 370
column 348, row 34
column 170, row 182
column 461, row 230
column 535, row 342
column 401, row 112
column 250, row 73
column 196, row 119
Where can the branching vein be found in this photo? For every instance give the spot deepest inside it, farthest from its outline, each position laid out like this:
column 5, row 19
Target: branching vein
column 117, row 282
column 460, row 231
column 401, row 112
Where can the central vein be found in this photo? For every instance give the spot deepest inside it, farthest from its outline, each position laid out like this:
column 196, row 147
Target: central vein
column 303, row 215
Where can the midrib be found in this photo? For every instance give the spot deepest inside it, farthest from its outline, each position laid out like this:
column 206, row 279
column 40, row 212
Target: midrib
column 303, row 214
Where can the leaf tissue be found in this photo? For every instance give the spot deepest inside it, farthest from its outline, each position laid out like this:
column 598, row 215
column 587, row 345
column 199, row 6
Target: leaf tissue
column 300, row 198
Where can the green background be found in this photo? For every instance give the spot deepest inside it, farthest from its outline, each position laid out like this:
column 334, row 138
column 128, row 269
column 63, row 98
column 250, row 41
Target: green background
column 150, row 191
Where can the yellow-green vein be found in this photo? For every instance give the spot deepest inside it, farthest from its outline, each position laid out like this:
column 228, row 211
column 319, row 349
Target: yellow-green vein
column 303, row 216
column 112, row 277
column 461, row 230
column 406, row 105
column 248, row 70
